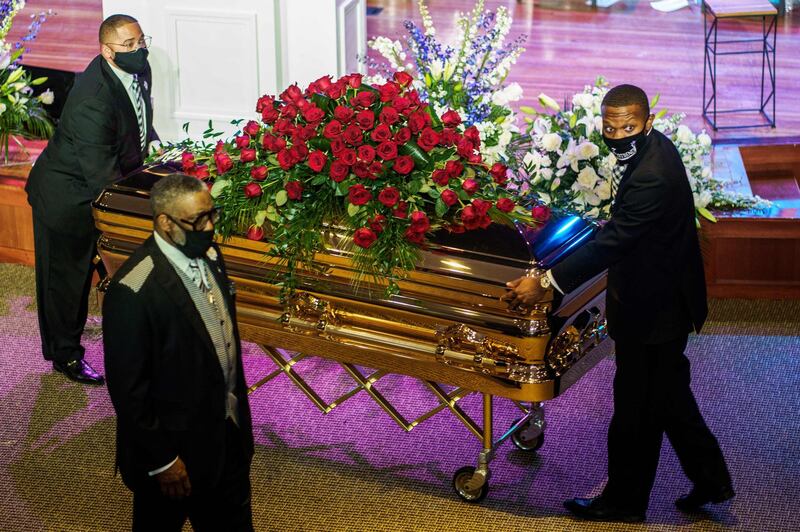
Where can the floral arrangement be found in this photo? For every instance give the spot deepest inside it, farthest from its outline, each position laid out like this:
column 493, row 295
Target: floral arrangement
column 467, row 77
column 563, row 162
column 21, row 113
column 374, row 163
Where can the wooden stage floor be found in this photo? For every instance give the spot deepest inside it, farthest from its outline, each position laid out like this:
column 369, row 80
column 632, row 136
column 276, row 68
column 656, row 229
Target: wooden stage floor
column 568, row 45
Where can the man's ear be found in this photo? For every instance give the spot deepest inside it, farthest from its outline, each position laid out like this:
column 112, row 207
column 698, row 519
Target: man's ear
column 649, row 124
column 107, row 52
column 163, row 223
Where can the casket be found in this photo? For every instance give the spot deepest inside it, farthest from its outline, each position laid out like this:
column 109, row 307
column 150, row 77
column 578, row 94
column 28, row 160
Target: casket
column 446, row 325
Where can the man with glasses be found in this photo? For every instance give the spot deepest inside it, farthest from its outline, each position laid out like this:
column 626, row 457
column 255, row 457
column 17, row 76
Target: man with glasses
column 105, row 131
column 174, row 367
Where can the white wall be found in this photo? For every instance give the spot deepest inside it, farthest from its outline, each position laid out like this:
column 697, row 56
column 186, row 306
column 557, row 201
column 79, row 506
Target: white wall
column 213, row 59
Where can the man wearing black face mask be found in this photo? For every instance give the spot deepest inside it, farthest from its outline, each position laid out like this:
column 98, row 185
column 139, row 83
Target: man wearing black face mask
column 174, row 367
column 105, row 131
column 655, row 297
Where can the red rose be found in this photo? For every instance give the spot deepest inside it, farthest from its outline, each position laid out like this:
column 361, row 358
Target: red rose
column 401, row 103
column 312, row 113
column 365, row 119
column 201, row 171
column 247, row 155
column 336, row 91
column 292, row 93
column 465, row 148
column 451, row 118
column 338, row 171
column 364, row 237
column 449, row 137
column 288, row 112
column 402, row 135
column 401, row 211
column 404, row 164
column 361, row 169
column 541, row 213
column 223, row 162
column 414, row 237
column 440, row 177
column 255, row 232
column 473, row 135
column 498, row 173
column 470, row 186
column 187, row 161
column 366, row 153
column 294, row 189
column 323, row 83
column 343, row 114
column 220, row 147
column 332, row 129
column 285, row 159
column 283, row 126
column 359, row 195
column 242, row 141
column 317, row 160
column 252, row 128
column 387, row 150
column 419, row 222
column 389, row 196
column 403, row 78
column 363, row 99
column 389, row 91
column 481, row 206
column 305, row 133
column 353, row 135
column 505, row 205
column 375, row 169
column 264, row 102
column 269, row 115
column 252, row 190
column 454, row 169
column 428, row 139
column 377, row 222
column 268, row 142
column 470, row 218
column 382, row 133
column 354, row 80
column 259, row 173
column 389, row 116
column 337, row 145
column 418, row 120
column 347, row 156
column 449, row 197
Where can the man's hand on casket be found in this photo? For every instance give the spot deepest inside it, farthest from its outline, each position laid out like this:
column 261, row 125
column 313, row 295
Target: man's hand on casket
column 525, row 292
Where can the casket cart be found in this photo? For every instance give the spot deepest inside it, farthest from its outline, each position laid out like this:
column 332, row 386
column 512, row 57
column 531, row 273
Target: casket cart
column 447, row 326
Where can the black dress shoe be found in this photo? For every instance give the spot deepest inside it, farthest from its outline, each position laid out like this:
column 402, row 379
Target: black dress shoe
column 696, row 498
column 598, row 509
column 79, row 371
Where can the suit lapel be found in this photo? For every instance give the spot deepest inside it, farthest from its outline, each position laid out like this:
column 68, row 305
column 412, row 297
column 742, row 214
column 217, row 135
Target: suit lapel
column 172, row 285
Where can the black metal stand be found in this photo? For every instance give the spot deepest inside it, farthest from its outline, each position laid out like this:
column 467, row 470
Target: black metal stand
column 768, row 33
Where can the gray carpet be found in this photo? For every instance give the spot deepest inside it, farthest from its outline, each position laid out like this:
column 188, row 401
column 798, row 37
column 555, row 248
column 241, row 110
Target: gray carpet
column 354, row 469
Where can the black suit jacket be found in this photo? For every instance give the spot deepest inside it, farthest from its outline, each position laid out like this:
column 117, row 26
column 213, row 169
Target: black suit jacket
column 163, row 373
column 96, row 142
column 656, row 286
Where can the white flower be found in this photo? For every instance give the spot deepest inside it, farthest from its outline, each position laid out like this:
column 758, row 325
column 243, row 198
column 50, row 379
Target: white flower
column 598, row 123
column 684, row 135
column 587, row 178
column 511, row 93
column 551, row 141
column 436, row 67
column 603, row 190
column 47, row 97
column 548, row 102
column 594, row 213
column 584, row 100
column 2, row 108
column 704, row 140
column 587, row 150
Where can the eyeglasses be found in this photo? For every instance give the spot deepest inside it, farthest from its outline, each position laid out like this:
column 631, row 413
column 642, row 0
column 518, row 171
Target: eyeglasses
column 143, row 42
column 201, row 220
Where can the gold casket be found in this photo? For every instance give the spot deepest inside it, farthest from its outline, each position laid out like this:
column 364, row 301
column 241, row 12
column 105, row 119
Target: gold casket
column 447, row 324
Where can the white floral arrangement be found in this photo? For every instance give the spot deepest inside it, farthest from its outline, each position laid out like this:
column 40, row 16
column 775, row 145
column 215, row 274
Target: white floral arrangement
column 467, row 77
column 562, row 161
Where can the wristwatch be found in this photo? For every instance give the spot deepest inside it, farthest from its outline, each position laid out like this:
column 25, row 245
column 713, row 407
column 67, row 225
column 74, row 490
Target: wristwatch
column 544, row 281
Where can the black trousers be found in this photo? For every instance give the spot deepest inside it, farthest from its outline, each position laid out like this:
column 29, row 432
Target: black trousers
column 64, row 269
column 221, row 508
column 652, row 397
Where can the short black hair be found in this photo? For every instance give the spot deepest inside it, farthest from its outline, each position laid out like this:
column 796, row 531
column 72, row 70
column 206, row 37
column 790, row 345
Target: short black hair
column 624, row 95
column 169, row 189
column 108, row 29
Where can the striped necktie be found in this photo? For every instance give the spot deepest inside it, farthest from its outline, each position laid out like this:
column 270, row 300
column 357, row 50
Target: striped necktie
column 139, row 107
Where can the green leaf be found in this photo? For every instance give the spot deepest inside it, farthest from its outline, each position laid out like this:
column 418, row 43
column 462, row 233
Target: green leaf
column 528, row 110
column 281, row 198
column 272, row 214
column 341, row 189
column 219, row 187
column 421, row 159
column 573, row 120
column 661, row 113
column 38, row 81
column 425, row 188
column 655, row 99
column 352, row 210
column 441, row 207
column 260, row 217
column 186, row 127
column 705, row 213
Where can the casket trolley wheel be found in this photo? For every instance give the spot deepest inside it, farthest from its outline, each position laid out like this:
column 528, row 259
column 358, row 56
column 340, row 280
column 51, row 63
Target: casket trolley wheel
column 468, row 487
column 530, row 434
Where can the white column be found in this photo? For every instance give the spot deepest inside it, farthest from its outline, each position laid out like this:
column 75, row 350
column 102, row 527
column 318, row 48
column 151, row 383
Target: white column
column 211, row 60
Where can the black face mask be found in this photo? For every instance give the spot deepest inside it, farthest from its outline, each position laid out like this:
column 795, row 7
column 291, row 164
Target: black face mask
column 628, row 149
column 132, row 62
column 196, row 244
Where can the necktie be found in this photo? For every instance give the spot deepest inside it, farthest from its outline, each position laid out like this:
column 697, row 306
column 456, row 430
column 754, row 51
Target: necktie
column 139, row 108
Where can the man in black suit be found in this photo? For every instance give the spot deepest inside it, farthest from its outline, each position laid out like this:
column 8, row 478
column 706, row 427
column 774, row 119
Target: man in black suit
column 175, row 376
column 105, row 130
column 655, row 297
